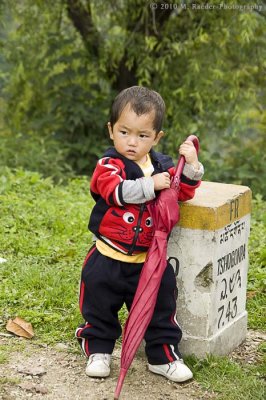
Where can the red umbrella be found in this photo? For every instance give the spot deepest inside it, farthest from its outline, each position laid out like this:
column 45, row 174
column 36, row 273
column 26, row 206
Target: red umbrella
column 164, row 211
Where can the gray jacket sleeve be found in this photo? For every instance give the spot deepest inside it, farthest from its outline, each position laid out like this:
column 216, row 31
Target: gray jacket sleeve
column 190, row 172
column 139, row 191
column 142, row 190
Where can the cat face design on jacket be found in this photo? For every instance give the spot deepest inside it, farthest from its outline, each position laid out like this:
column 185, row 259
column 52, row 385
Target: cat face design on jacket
column 124, row 223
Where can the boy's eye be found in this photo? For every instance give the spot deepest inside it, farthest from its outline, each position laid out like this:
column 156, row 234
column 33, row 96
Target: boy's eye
column 123, row 132
column 143, row 136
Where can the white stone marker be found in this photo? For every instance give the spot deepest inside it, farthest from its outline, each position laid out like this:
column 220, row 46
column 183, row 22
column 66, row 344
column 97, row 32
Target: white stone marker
column 209, row 251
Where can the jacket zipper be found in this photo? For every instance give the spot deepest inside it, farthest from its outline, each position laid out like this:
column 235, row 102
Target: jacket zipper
column 137, row 229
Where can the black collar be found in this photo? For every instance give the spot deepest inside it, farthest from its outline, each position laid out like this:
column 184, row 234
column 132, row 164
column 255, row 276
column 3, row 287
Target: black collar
column 162, row 161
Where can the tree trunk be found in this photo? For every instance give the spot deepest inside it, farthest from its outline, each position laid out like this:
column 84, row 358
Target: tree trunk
column 81, row 18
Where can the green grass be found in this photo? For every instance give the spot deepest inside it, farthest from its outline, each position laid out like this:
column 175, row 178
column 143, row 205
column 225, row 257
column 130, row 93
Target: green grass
column 5, row 350
column 8, row 381
column 45, row 239
column 3, row 356
column 257, row 266
column 229, row 380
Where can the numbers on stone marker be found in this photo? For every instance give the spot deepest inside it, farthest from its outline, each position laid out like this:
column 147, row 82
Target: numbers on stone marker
column 224, row 290
column 228, row 285
column 221, row 311
column 234, row 311
column 230, row 313
column 238, row 278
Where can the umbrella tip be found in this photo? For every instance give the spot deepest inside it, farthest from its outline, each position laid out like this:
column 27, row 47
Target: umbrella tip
column 120, row 381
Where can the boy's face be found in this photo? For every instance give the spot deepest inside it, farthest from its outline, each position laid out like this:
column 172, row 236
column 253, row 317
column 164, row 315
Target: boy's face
column 133, row 135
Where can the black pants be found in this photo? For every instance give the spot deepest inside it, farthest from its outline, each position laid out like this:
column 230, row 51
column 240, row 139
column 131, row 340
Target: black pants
column 107, row 284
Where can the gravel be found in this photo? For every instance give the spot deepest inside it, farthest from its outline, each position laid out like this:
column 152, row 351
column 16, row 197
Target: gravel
column 56, row 373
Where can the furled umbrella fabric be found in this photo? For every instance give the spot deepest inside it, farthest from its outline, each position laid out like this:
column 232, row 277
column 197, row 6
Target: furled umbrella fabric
column 164, row 211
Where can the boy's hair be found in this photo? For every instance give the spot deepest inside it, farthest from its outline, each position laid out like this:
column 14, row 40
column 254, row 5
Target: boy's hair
column 142, row 101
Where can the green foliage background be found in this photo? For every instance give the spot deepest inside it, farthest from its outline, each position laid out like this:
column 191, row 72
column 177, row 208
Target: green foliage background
column 62, row 63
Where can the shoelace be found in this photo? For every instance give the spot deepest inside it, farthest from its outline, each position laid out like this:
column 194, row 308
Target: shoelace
column 101, row 357
column 173, row 365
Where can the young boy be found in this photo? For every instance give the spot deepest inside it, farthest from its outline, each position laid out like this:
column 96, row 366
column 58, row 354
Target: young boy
column 130, row 174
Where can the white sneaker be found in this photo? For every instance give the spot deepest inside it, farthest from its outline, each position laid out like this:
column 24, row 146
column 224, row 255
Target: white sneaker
column 175, row 371
column 98, row 365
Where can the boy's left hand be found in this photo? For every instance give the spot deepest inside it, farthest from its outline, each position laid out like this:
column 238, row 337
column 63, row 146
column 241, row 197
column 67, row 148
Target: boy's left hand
column 188, row 150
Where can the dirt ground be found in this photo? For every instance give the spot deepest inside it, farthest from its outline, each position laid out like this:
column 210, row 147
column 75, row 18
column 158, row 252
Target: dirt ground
column 54, row 373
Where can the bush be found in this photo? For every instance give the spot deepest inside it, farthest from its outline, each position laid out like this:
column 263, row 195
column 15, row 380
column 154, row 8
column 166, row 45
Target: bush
column 34, row 153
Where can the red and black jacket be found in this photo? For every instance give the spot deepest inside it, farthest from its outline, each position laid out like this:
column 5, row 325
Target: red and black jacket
column 126, row 227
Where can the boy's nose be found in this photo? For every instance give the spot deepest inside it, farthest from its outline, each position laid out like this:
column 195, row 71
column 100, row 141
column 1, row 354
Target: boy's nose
column 132, row 140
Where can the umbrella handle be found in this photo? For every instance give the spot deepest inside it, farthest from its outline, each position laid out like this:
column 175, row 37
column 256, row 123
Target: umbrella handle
column 181, row 162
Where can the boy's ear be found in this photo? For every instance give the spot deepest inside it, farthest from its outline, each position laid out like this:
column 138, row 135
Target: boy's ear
column 110, row 131
column 158, row 137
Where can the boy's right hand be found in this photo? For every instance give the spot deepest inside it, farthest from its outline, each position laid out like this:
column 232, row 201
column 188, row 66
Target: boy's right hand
column 161, row 181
